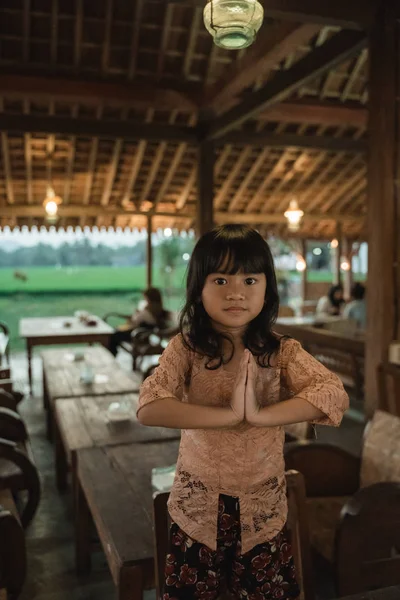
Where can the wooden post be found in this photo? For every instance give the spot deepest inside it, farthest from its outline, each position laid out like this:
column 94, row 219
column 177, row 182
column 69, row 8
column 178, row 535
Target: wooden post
column 337, row 276
column 205, row 188
column 304, row 273
column 149, row 273
column 383, row 295
column 347, row 275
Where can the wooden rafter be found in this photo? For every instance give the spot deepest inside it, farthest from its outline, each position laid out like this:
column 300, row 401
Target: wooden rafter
column 28, row 160
column 97, row 92
column 112, row 171
column 78, row 32
column 107, row 36
column 164, row 38
column 180, row 151
column 91, row 165
column 192, row 41
column 70, row 161
column 360, row 62
column 278, row 42
column 349, row 187
column 26, row 30
column 137, row 18
column 334, row 182
column 54, row 32
column 220, row 196
column 7, row 168
column 319, row 113
column 319, row 142
column 336, row 50
column 126, row 130
column 156, row 164
column 136, row 162
column 250, row 175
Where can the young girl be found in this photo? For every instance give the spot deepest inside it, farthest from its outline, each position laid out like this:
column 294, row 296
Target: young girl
column 230, row 383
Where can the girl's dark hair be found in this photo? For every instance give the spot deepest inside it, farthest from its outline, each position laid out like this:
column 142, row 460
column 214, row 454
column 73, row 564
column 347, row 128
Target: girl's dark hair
column 155, row 306
column 331, row 295
column 242, row 249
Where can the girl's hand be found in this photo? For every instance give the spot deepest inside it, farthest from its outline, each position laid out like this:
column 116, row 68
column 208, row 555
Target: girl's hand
column 252, row 407
column 238, row 396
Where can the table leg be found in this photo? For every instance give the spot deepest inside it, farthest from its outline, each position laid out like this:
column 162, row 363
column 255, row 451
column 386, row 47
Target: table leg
column 82, row 531
column 45, row 391
column 29, row 355
column 130, row 586
column 61, row 463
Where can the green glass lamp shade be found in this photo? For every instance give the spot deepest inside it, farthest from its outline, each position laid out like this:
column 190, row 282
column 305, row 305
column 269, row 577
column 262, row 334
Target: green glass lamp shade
column 233, row 23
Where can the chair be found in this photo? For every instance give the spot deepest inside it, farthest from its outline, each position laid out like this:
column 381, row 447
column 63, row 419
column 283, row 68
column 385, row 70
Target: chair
column 145, row 342
column 17, row 470
column 296, row 526
column 354, row 505
column 12, row 550
column 4, row 343
column 389, row 387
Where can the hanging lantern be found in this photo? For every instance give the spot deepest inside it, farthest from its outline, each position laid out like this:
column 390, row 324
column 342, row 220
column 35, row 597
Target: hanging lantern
column 233, row 24
column 301, row 264
column 50, row 204
column 344, row 264
column 293, row 215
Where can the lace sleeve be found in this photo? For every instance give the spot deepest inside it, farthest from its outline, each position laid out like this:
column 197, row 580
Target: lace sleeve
column 307, row 378
column 169, row 378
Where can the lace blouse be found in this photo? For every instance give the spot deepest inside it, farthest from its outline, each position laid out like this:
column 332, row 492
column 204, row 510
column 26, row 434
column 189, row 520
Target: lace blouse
column 245, row 462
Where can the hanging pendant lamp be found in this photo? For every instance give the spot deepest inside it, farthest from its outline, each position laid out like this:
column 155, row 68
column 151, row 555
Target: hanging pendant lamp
column 233, row 24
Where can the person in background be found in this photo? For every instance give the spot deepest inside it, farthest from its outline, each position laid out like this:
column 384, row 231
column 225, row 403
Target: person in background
column 332, row 303
column 151, row 315
column 356, row 309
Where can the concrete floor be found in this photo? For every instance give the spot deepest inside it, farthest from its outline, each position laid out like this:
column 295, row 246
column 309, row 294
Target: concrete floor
column 51, row 574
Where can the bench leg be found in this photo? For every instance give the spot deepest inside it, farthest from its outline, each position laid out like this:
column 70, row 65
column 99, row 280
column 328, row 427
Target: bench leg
column 61, row 464
column 130, row 585
column 82, row 531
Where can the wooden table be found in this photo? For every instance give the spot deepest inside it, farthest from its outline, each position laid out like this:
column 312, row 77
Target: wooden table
column 63, row 381
column 61, row 330
column 114, row 487
column 389, row 593
column 83, row 423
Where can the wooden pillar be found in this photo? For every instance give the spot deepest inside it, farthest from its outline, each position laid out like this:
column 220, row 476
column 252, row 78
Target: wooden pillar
column 383, row 288
column 304, row 286
column 347, row 275
column 336, row 274
column 205, row 188
column 149, row 273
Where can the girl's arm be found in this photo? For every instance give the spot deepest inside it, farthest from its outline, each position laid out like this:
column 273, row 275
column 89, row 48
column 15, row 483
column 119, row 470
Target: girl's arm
column 170, row 412
column 318, row 394
column 160, row 394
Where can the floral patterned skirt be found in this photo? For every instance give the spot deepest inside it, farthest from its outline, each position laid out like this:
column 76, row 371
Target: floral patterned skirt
column 193, row 570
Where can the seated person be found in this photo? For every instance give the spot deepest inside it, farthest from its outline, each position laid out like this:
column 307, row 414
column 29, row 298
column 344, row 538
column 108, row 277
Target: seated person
column 331, row 304
column 356, row 309
column 150, row 316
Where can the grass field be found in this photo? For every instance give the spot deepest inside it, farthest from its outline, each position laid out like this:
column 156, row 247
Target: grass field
column 85, row 279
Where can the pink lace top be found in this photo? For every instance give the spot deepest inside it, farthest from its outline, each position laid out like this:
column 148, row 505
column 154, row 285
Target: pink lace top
column 245, row 462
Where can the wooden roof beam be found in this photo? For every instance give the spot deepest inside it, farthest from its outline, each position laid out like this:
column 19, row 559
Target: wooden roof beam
column 77, row 211
column 285, row 140
column 334, row 52
column 354, row 14
column 318, row 113
column 125, row 130
column 141, row 96
column 272, row 47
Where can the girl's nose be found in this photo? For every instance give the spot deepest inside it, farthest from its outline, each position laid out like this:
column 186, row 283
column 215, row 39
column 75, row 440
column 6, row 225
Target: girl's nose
column 235, row 294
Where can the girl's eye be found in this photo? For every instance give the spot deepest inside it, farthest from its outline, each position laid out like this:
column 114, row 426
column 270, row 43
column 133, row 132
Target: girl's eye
column 220, row 281
column 250, row 281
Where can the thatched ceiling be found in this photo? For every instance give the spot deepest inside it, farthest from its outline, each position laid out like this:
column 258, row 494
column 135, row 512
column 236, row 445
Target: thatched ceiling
column 108, row 100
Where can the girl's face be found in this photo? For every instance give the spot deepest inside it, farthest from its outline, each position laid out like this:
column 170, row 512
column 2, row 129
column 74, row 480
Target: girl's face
column 232, row 301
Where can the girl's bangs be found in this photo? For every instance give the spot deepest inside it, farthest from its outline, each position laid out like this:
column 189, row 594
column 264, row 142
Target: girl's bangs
column 241, row 256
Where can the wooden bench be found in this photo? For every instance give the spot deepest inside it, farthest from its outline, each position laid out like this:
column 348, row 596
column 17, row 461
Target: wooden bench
column 296, row 526
column 12, row 549
column 344, row 355
column 114, row 487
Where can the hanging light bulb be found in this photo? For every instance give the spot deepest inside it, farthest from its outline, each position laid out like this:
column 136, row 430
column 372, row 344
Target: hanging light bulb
column 334, row 243
column 344, row 264
column 301, row 264
column 50, row 204
column 293, row 215
column 233, row 24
